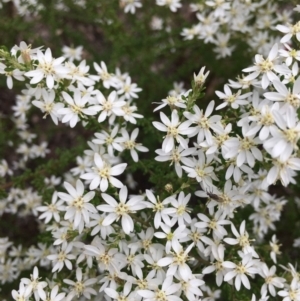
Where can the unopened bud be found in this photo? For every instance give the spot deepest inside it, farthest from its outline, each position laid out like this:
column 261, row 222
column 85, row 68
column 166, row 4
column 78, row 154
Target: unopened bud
column 169, row 187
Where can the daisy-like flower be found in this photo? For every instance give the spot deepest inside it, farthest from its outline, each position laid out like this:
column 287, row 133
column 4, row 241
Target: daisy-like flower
column 33, row 285
column 271, row 281
column 48, row 105
column 62, row 257
column 166, row 293
column 284, row 141
column 214, row 224
column 49, row 68
column 158, row 207
column 21, row 294
column 26, row 52
column 290, row 31
column 174, row 130
column 108, row 79
column 78, row 208
column 290, row 54
column 109, row 140
column 16, row 73
column 126, row 295
column 102, row 174
column 53, row 295
column 176, row 156
column 172, row 236
column 108, row 258
column 291, row 294
column 201, row 169
column 172, row 101
column 128, row 142
column 51, row 210
column 233, row 100
column 284, row 94
column 275, row 248
column 239, row 271
column 81, row 286
column 121, row 210
column 283, row 171
column 266, row 68
column 217, row 266
column 204, row 122
column 173, row 4
column 242, row 239
column 98, row 227
column 177, row 261
column 109, row 106
column 72, row 53
column 129, row 112
column 76, row 108
column 243, row 149
column 180, row 211
column 128, row 89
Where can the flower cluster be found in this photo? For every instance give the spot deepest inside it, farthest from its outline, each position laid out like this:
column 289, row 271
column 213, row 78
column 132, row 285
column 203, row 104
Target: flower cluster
column 101, row 241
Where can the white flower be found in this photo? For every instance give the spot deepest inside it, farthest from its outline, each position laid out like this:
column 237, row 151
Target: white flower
column 284, row 141
column 177, row 261
column 16, row 73
column 246, row 267
column 174, row 129
column 271, row 281
column 172, row 101
column 128, row 89
column 244, row 149
column 126, row 295
column 180, row 211
column 53, row 296
column 48, row 105
column 21, row 294
column 217, row 266
column 62, row 258
column 177, row 155
column 77, row 107
column 233, row 100
column 103, row 173
column 49, row 68
column 80, row 287
column 200, row 78
column 78, row 208
column 51, row 210
column 72, row 53
column 275, row 246
column 293, row 294
column 204, row 122
column 110, row 106
column 290, row 31
column 121, row 210
column 215, row 224
column 166, row 293
column 242, row 239
column 130, row 144
column 109, row 140
column 158, row 207
column 266, row 68
column 108, row 79
column 172, row 237
column 33, row 285
column 201, row 169
column 290, row 54
column 173, row 4
column 107, row 259
column 284, row 94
